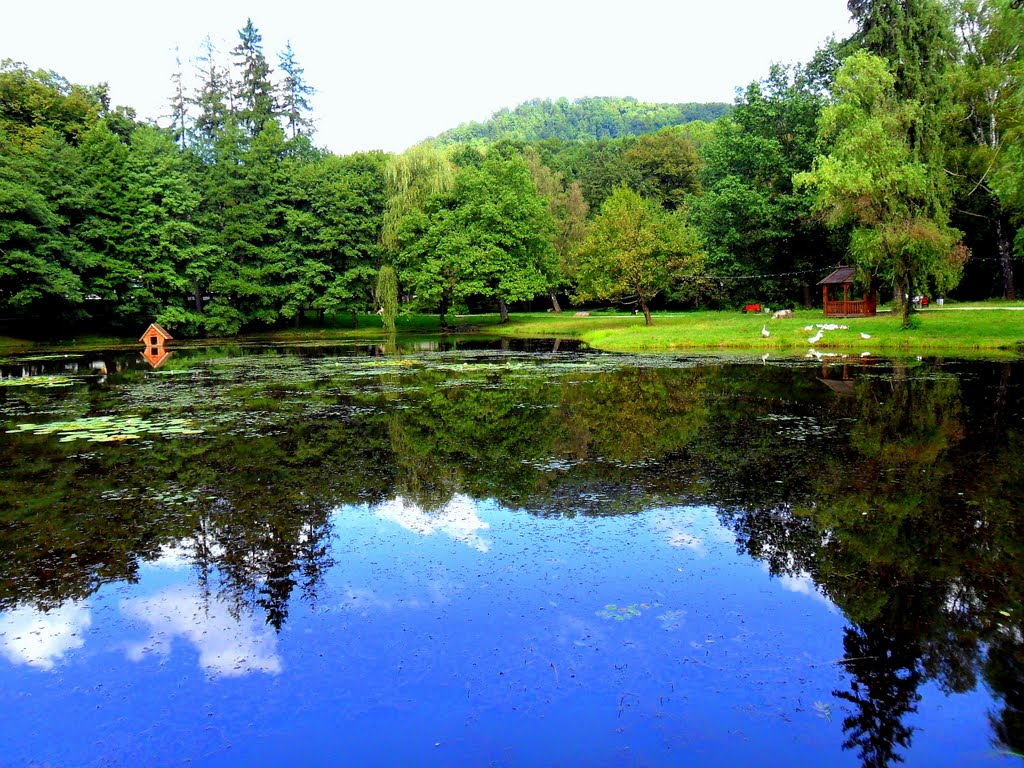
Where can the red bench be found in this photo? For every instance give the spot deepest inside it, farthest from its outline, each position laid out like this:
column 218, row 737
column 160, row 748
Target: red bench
column 751, row 308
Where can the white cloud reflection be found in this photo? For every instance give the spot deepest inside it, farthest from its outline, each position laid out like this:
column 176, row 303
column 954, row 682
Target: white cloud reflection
column 691, row 528
column 41, row 639
column 227, row 646
column 803, row 584
column 457, row 519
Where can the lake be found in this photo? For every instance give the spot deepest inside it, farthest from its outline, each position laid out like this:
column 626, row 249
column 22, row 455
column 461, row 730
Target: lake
column 525, row 555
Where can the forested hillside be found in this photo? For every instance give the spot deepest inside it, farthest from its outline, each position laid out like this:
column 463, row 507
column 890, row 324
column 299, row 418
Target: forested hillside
column 580, row 120
column 899, row 151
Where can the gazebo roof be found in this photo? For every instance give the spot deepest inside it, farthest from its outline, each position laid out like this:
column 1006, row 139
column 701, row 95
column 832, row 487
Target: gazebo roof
column 841, row 276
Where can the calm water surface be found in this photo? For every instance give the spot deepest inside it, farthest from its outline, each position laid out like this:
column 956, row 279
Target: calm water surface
column 543, row 556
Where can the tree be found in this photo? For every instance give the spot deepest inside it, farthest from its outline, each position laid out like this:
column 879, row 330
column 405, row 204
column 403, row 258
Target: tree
column 254, row 90
column 294, row 94
column 989, row 82
column 754, row 222
column 875, row 180
column 568, row 211
column 634, row 251
column 667, row 167
column 31, row 102
column 914, row 36
column 38, row 272
column 332, row 228
column 179, row 105
column 387, row 296
column 490, row 238
column 212, row 100
column 413, row 178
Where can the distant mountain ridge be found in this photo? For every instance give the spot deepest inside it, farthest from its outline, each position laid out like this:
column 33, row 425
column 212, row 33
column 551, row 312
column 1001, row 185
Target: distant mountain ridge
column 588, row 118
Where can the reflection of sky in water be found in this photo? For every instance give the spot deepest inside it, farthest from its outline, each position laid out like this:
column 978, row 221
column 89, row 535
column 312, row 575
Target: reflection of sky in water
column 458, row 519
column 475, row 650
column 41, row 639
column 226, row 645
column 692, row 528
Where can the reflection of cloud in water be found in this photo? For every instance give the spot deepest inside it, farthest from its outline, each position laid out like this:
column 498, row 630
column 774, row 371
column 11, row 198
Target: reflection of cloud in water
column 41, row 639
column 181, row 555
column 227, row 646
column 803, row 584
column 691, row 528
column 457, row 519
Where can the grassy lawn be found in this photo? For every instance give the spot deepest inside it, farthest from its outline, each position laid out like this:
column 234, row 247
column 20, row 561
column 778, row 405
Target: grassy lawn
column 981, row 328
column 934, row 331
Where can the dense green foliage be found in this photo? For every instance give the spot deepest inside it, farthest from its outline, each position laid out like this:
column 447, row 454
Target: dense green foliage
column 232, row 219
column 580, row 120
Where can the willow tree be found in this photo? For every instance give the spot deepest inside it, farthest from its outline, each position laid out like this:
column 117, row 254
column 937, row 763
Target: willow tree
column 875, row 179
column 411, row 179
column 387, row 296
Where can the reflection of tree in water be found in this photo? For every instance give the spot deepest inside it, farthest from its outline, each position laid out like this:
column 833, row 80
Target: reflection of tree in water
column 1004, row 672
column 901, row 502
column 883, row 690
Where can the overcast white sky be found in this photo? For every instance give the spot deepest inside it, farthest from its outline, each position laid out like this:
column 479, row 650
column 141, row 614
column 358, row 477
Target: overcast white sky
column 390, row 73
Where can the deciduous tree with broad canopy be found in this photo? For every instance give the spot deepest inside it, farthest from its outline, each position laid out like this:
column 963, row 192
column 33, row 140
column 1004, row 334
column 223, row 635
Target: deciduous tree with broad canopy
column 635, row 251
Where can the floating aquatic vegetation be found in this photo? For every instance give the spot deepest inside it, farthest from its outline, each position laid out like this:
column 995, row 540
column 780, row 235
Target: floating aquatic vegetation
column 172, row 495
column 799, row 427
column 41, row 358
column 37, row 381
column 823, row 710
column 109, row 429
column 671, row 620
column 621, row 613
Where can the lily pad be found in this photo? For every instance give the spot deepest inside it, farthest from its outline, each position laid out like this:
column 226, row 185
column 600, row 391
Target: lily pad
column 110, row 429
column 37, row 381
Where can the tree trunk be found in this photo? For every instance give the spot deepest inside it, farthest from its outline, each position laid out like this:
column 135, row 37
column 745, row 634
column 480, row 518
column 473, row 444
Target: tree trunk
column 908, row 303
column 1005, row 256
column 807, row 295
column 443, row 311
column 502, row 310
column 647, row 312
column 198, row 293
column 355, row 319
column 554, row 302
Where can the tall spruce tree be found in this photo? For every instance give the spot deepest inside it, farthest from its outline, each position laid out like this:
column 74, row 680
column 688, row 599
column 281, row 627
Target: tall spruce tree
column 254, row 89
column 294, row 93
column 212, row 101
column 179, row 102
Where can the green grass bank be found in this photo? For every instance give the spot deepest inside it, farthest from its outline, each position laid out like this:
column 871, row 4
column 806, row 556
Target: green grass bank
column 992, row 329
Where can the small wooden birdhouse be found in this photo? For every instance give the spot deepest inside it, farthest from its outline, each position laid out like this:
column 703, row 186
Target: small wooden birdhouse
column 155, row 336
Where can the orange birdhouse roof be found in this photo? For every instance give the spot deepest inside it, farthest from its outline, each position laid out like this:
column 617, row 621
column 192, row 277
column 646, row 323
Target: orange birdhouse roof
column 155, row 330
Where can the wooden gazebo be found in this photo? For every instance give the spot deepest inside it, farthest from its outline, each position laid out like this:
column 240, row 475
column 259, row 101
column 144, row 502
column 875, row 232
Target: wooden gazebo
column 845, row 307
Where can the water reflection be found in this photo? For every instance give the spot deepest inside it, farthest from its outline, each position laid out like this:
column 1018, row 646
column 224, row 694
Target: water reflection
column 893, row 504
column 457, row 519
column 228, row 645
column 42, row 639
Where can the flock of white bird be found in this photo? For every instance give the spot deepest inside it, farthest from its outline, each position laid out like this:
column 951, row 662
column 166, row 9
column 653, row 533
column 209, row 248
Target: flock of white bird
column 822, row 327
